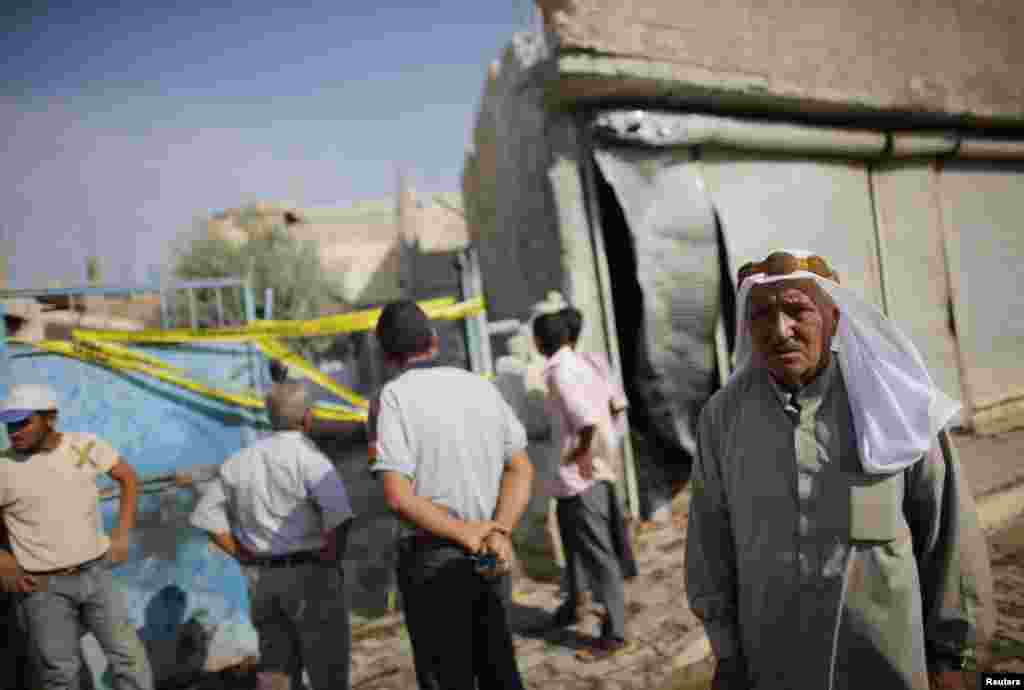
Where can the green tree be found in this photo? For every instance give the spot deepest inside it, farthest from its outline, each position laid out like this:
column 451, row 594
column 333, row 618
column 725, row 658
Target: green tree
column 271, row 258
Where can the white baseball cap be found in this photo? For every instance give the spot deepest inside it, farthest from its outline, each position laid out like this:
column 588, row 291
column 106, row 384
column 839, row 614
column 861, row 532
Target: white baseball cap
column 26, row 399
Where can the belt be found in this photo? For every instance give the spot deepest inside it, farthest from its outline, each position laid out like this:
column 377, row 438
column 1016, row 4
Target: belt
column 285, row 561
column 424, row 540
column 73, row 570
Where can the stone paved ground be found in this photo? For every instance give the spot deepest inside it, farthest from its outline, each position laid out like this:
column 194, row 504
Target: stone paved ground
column 1007, row 550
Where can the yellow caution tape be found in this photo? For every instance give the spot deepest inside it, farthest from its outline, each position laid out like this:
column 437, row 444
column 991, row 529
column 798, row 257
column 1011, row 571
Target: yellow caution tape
column 96, row 347
column 127, row 353
column 276, row 350
column 443, row 308
column 337, row 415
column 110, row 361
column 113, row 362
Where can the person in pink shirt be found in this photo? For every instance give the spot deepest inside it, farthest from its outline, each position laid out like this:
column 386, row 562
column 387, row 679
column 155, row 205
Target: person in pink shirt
column 617, row 396
column 589, row 515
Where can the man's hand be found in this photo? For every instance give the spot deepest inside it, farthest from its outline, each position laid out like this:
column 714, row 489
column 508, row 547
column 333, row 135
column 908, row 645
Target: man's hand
column 500, row 545
column 12, row 578
column 730, row 674
column 18, row 582
column 947, row 680
column 119, row 543
column 586, row 464
column 329, row 552
column 472, row 534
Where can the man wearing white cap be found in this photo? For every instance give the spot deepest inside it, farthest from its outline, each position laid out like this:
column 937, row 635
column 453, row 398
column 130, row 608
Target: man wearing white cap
column 58, row 565
column 833, row 542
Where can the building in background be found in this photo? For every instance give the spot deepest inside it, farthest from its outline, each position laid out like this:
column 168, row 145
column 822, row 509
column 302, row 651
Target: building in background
column 376, row 250
column 54, row 318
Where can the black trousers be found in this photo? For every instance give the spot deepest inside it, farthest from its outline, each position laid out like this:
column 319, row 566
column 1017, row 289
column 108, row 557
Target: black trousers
column 456, row 619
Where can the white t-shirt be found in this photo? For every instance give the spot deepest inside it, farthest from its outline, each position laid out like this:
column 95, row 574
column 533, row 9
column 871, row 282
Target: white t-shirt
column 50, row 502
column 451, row 433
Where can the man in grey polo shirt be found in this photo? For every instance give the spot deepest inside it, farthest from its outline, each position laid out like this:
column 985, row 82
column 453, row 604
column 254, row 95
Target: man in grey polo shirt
column 451, row 454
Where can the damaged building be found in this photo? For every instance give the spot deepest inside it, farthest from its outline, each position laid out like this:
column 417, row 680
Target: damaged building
column 634, row 155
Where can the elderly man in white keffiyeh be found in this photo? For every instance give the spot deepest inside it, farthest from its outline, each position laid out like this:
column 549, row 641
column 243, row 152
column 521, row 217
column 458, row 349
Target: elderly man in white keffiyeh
column 833, row 542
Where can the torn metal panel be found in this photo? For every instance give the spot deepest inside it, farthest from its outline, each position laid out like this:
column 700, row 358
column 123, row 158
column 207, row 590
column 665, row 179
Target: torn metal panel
column 672, row 227
column 982, row 206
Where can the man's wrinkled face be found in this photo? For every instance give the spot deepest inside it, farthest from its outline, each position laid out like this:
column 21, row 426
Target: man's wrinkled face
column 791, row 324
column 28, row 435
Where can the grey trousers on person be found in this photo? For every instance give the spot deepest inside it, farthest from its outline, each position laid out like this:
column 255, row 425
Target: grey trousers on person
column 302, row 618
column 591, row 556
column 55, row 616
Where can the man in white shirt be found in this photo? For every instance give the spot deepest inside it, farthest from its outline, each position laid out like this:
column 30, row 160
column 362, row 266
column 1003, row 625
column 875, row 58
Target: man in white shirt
column 280, row 508
column 59, row 558
column 451, row 455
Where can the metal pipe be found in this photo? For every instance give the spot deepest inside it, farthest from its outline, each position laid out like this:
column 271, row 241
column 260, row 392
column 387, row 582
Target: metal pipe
column 588, row 165
column 220, row 307
column 211, row 283
column 193, row 317
column 73, row 291
column 922, row 145
column 991, row 149
column 165, row 317
column 672, row 129
column 666, row 129
column 479, row 336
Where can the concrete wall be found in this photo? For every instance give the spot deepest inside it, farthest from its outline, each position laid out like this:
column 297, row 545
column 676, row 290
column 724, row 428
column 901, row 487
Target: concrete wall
column 960, row 57
column 509, row 202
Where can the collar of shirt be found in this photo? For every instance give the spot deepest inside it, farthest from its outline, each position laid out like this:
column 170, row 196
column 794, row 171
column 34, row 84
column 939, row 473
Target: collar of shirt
column 564, row 353
column 810, row 393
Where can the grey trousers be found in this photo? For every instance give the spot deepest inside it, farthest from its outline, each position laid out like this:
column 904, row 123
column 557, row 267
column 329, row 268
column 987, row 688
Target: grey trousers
column 55, row 616
column 591, row 557
column 302, row 618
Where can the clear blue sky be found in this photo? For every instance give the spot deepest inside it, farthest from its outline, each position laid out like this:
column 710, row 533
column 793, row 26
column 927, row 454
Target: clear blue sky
column 121, row 125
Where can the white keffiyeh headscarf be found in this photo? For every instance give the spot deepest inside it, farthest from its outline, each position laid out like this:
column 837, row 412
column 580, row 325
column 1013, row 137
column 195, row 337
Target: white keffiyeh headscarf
column 897, row 409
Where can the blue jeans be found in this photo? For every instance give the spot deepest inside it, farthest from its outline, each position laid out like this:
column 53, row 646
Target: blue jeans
column 64, row 605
